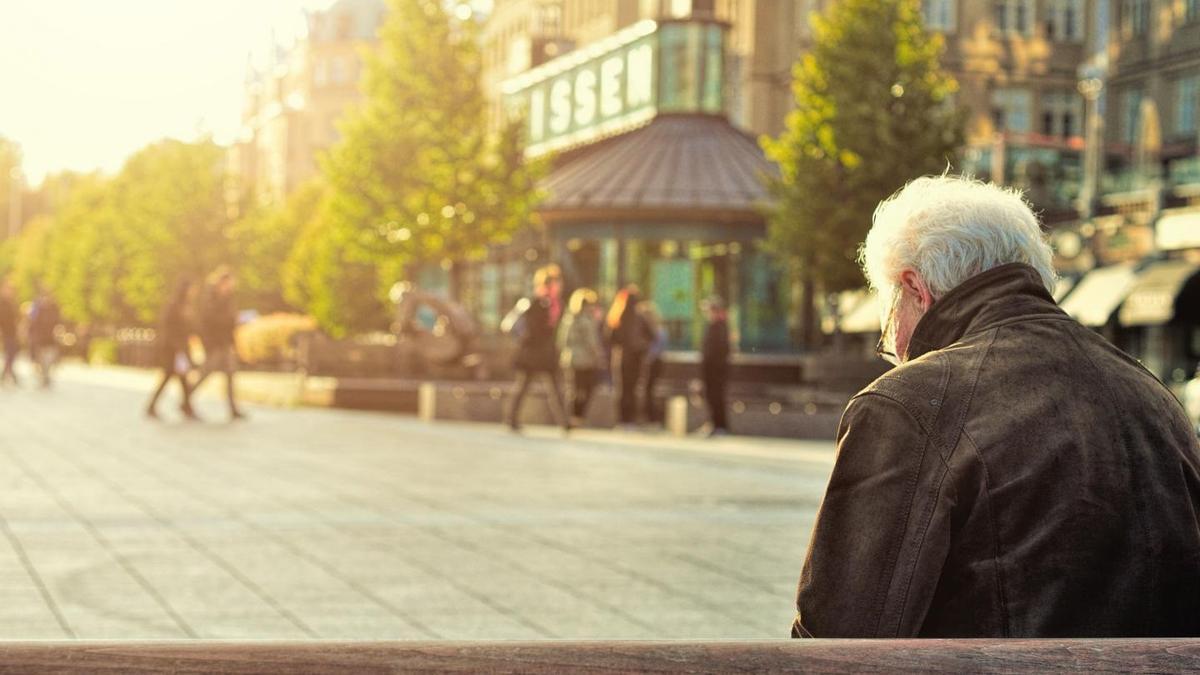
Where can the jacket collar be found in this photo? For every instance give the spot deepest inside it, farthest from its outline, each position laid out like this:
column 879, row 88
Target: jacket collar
column 1010, row 291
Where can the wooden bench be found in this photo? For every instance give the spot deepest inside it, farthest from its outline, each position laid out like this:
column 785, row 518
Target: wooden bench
column 837, row 656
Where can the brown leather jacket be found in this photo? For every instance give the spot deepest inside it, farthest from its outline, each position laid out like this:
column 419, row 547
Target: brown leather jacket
column 1018, row 476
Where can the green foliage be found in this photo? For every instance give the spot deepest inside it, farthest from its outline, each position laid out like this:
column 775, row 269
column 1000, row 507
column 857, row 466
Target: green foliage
column 10, row 160
column 262, row 241
column 416, row 176
column 110, row 249
column 872, row 112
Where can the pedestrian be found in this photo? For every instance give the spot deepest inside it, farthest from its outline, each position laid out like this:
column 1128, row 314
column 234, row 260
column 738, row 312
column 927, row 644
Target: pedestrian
column 533, row 322
column 582, row 349
column 1015, row 475
column 44, row 320
column 654, row 362
column 10, row 315
column 218, row 321
column 174, row 356
column 714, row 364
column 631, row 338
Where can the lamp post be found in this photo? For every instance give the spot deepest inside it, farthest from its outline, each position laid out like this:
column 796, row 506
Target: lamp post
column 1091, row 86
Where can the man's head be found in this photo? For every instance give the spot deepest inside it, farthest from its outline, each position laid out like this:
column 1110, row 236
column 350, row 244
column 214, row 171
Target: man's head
column 934, row 234
column 713, row 308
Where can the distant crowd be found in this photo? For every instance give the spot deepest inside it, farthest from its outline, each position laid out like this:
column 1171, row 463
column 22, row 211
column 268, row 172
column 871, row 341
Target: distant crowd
column 206, row 310
column 590, row 345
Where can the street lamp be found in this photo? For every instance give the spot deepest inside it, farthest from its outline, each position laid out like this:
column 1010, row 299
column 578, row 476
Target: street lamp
column 1091, row 86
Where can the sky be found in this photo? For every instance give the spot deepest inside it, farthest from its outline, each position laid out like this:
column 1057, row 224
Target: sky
column 85, row 83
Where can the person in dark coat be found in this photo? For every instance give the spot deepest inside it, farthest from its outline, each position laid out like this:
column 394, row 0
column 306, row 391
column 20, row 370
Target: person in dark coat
column 174, row 357
column 534, row 321
column 714, row 364
column 631, row 338
column 1015, row 475
column 44, row 319
column 218, row 320
column 654, row 359
column 10, row 315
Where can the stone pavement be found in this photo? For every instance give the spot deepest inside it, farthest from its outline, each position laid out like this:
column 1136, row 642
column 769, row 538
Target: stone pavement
column 333, row 524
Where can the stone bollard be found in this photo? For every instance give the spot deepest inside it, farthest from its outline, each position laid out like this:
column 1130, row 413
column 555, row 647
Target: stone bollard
column 677, row 415
column 427, row 401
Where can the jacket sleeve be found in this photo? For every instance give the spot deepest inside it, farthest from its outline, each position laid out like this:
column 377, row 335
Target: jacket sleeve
column 869, row 540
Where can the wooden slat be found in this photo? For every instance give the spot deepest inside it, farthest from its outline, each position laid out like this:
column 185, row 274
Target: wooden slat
column 837, row 656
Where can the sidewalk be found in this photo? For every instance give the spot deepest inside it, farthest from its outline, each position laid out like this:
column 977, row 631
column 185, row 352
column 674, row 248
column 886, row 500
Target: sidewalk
column 289, row 390
column 306, row 523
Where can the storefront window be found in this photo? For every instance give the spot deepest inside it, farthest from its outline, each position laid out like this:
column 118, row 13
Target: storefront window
column 680, row 49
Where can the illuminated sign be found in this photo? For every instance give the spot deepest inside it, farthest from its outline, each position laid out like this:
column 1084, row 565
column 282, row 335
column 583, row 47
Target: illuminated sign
column 620, row 82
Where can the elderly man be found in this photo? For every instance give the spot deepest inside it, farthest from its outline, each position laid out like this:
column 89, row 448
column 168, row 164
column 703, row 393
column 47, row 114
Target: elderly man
column 1015, row 475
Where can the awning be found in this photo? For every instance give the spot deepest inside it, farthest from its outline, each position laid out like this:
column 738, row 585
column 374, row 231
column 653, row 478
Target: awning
column 679, row 168
column 1099, row 293
column 1178, row 229
column 1151, row 301
column 864, row 317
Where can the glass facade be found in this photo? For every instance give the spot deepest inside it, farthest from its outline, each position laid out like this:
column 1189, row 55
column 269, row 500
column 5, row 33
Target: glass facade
column 677, row 272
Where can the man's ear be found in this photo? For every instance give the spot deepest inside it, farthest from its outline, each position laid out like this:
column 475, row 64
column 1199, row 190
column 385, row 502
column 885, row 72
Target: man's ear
column 912, row 283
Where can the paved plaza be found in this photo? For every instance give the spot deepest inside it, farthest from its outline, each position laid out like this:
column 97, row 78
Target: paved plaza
column 307, row 523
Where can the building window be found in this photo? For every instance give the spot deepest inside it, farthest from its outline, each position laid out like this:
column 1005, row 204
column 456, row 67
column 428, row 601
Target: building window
column 338, row 70
column 938, row 14
column 1135, row 16
column 1013, row 17
column 1062, row 111
column 320, row 73
column 1064, row 20
column 1131, row 114
column 1187, row 101
column 1191, row 10
column 1011, row 110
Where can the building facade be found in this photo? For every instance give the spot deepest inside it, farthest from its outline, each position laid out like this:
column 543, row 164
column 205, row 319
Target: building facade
column 294, row 99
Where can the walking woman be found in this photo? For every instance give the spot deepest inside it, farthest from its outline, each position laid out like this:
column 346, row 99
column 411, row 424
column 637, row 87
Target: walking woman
column 582, row 349
column 174, row 357
column 533, row 322
column 632, row 338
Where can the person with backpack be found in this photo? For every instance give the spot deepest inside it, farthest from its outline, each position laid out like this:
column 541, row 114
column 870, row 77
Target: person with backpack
column 533, row 321
column 582, row 349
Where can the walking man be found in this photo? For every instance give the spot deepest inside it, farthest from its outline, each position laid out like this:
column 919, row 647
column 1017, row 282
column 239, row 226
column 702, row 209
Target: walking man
column 218, row 320
column 10, row 315
column 1015, row 475
column 714, row 366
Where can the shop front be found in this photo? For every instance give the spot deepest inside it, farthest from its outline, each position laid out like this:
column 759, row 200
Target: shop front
column 651, row 185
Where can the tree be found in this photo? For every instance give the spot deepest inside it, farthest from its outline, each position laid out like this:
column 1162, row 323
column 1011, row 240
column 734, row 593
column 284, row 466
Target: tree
column 867, row 120
column 10, row 162
column 417, row 177
column 262, row 241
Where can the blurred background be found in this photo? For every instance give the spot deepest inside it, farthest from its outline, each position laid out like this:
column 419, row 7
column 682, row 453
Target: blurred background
column 358, row 191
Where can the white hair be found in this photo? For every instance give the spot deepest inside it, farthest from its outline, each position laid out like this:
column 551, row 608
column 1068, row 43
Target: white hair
column 949, row 229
